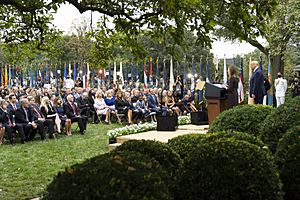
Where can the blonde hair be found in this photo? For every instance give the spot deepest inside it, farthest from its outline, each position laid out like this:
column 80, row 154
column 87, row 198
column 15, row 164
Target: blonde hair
column 254, row 63
column 44, row 103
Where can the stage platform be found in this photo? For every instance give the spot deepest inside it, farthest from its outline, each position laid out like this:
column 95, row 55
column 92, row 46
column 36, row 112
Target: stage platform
column 162, row 136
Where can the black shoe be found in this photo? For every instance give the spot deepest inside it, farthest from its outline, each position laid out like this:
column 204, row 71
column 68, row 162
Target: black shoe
column 51, row 137
column 82, row 132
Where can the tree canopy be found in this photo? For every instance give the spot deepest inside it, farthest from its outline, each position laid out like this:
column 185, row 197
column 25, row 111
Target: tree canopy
column 131, row 17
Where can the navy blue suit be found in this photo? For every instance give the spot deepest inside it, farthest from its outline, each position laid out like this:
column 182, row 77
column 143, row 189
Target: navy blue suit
column 152, row 102
column 257, row 86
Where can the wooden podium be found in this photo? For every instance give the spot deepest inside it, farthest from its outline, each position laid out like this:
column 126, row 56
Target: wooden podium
column 215, row 107
column 216, row 99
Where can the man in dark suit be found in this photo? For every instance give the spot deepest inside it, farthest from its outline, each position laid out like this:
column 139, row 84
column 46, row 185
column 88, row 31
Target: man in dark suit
column 257, row 88
column 40, row 119
column 25, row 119
column 86, row 107
column 152, row 101
column 72, row 112
column 13, row 106
column 9, row 124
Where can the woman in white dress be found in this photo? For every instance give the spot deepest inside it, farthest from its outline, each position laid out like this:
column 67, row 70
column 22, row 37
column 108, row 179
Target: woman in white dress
column 101, row 107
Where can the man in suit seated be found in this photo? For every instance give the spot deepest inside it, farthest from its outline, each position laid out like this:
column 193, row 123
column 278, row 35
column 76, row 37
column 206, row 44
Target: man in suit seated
column 86, row 106
column 13, row 104
column 25, row 119
column 9, row 124
column 72, row 112
column 40, row 119
column 153, row 102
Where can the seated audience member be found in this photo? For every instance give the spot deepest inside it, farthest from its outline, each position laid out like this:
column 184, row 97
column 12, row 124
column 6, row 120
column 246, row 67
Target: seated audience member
column 24, row 118
column 187, row 106
column 50, row 113
column 170, row 103
column 58, row 105
column 40, row 119
column 13, row 103
column 153, row 102
column 135, row 96
column 101, row 107
column 110, row 100
column 141, row 106
column 162, row 100
column 86, row 106
column 8, row 124
column 123, row 107
column 72, row 112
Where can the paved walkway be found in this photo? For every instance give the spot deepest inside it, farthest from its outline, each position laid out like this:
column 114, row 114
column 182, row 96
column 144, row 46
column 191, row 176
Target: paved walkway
column 162, row 136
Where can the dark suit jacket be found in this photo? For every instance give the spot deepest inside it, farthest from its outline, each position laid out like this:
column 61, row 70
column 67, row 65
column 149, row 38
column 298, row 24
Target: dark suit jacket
column 152, row 101
column 20, row 116
column 257, row 84
column 69, row 110
column 5, row 116
column 11, row 109
column 34, row 114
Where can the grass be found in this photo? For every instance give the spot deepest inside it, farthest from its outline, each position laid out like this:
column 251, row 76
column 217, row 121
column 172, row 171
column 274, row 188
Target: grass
column 25, row 170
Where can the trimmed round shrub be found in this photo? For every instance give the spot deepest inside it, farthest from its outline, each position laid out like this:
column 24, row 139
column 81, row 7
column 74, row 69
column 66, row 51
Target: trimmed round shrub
column 127, row 175
column 229, row 169
column 244, row 118
column 278, row 122
column 235, row 135
column 162, row 153
column 287, row 157
column 184, row 144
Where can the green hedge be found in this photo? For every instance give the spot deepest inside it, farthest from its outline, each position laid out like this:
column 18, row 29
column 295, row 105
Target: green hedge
column 278, row 122
column 127, row 175
column 162, row 153
column 229, row 169
column 287, row 157
column 244, row 118
column 184, row 144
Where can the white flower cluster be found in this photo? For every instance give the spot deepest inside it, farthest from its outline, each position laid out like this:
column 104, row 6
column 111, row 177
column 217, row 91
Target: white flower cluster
column 183, row 120
column 127, row 130
column 131, row 129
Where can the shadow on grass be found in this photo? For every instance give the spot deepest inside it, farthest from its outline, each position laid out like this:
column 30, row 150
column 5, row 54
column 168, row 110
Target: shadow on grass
column 27, row 169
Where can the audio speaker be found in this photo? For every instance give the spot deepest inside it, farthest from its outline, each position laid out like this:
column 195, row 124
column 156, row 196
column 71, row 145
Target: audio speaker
column 199, row 118
column 168, row 123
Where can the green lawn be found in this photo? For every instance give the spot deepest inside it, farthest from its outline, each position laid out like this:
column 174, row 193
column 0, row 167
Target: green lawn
column 25, row 170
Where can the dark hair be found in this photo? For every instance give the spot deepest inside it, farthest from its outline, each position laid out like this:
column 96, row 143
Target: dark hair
column 232, row 70
column 11, row 96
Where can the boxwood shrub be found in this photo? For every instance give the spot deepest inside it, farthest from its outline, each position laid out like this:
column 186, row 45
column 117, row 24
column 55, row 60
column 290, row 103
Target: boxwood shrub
column 127, row 175
column 184, row 144
column 162, row 153
column 278, row 122
column 244, row 118
column 287, row 157
column 229, row 169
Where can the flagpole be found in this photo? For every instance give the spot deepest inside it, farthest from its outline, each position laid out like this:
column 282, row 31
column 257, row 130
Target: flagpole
column 171, row 75
column 270, row 92
column 207, row 70
column 250, row 99
column 225, row 71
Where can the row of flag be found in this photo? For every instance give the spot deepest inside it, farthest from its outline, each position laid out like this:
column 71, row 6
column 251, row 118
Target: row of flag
column 132, row 70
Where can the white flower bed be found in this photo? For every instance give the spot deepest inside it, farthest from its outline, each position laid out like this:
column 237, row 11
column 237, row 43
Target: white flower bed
column 127, row 130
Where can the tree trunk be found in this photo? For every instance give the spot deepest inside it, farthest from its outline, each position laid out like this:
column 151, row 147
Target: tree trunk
column 277, row 65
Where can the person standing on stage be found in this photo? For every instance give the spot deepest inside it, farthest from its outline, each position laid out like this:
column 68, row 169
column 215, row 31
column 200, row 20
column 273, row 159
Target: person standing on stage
column 257, row 88
column 232, row 88
column 280, row 88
